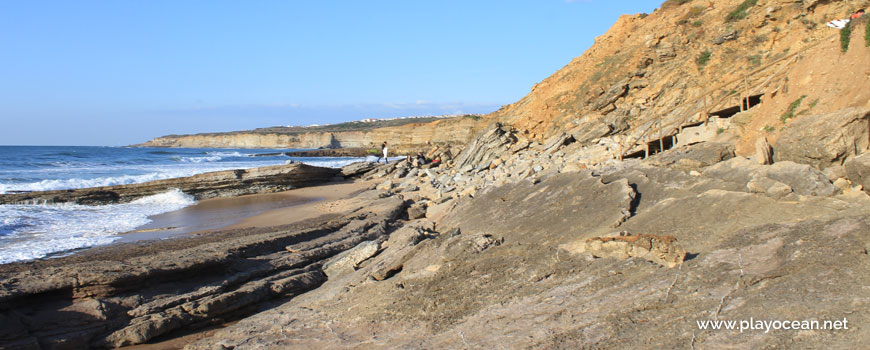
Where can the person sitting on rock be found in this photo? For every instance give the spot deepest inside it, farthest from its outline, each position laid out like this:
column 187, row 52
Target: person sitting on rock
column 419, row 159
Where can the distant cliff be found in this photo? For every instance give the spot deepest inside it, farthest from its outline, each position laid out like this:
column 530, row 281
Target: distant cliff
column 410, row 136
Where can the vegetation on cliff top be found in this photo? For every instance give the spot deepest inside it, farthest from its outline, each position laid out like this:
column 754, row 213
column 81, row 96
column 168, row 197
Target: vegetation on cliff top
column 340, row 127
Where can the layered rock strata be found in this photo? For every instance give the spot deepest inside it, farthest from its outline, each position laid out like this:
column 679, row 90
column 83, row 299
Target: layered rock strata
column 129, row 294
column 208, row 185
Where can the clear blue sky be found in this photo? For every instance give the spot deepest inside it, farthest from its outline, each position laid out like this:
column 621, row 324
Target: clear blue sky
column 121, row 72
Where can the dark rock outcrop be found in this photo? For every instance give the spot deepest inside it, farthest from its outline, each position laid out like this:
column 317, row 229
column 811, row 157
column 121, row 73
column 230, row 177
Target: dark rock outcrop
column 208, row 185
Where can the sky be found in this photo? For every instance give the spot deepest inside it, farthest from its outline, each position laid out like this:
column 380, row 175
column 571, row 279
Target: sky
column 114, row 73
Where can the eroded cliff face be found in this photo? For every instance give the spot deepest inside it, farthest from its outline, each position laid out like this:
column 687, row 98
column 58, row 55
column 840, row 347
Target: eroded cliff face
column 650, row 75
column 402, row 139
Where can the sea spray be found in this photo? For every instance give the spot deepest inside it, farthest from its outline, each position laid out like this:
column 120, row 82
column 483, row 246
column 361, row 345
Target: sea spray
column 35, row 231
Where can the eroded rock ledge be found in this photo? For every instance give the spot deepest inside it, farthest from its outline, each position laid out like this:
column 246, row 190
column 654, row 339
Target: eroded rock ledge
column 208, row 185
column 128, row 294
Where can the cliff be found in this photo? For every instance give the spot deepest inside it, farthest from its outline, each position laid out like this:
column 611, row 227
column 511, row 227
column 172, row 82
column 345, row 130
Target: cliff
column 652, row 74
column 403, row 139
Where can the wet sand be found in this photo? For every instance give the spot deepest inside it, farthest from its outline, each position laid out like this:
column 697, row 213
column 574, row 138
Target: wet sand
column 249, row 211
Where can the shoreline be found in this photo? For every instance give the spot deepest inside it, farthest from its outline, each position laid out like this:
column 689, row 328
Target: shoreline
column 245, row 212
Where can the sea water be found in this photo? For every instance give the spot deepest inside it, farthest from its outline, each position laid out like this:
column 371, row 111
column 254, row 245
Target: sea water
column 40, row 230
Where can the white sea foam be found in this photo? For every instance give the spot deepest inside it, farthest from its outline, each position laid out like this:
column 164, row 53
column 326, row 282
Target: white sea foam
column 146, row 173
column 330, row 162
column 200, row 159
column 60, row 184
column 35, row 231
column 228, row 154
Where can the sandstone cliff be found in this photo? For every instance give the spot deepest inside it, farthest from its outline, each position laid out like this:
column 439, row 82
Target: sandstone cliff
column 403, row 139
column 651, row 75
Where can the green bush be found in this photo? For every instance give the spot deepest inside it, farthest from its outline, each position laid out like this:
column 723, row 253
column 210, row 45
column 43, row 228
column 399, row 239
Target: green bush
column 845, row 34
column 697, row 23
column 769, row 129
column 790, row 112
column 867, row 33
column 703, row 58
column 740, row 12
column 754, row 59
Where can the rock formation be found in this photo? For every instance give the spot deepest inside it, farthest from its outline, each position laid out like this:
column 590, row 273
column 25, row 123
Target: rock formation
column 403, row 139
column 207, row 185
column 662, row 250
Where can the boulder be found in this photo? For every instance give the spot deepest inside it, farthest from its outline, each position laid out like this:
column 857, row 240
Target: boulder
column 613, row 93
column 416, row 211
column 824, row 140
column 763, row 151
column 728, row 35
column 835, row 172
column 350, row 259
column 386, row 185
column 694, row 156
column 801, row 178
column 662, row 250
column 357, row 169
column 858, row 170
column 490, row 145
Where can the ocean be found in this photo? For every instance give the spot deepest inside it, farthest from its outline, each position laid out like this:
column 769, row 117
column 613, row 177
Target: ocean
column 42, row 230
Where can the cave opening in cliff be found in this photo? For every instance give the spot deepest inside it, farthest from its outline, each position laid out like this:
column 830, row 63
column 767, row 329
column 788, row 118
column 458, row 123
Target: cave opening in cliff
column 748, row 102
column 661, row 145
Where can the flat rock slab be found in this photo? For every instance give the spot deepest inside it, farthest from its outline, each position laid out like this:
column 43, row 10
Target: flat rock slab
column 208, row 185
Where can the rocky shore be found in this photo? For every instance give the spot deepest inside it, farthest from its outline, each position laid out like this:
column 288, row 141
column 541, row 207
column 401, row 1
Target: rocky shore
column 208, row 185
column 433, row 255
column 617, row 206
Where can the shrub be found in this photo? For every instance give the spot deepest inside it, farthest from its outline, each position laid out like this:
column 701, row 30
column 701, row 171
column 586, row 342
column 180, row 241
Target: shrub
column 703, row 58
column 740, row 12
column 697, row 23
column 754, row 59
column 845, row 34
column 867, row 33
column 790, row 112
column 769, row 129
column 696, row 11
column 719, row 131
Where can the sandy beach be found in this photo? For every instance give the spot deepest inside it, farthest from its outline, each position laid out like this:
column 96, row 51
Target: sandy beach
column 249, row 211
